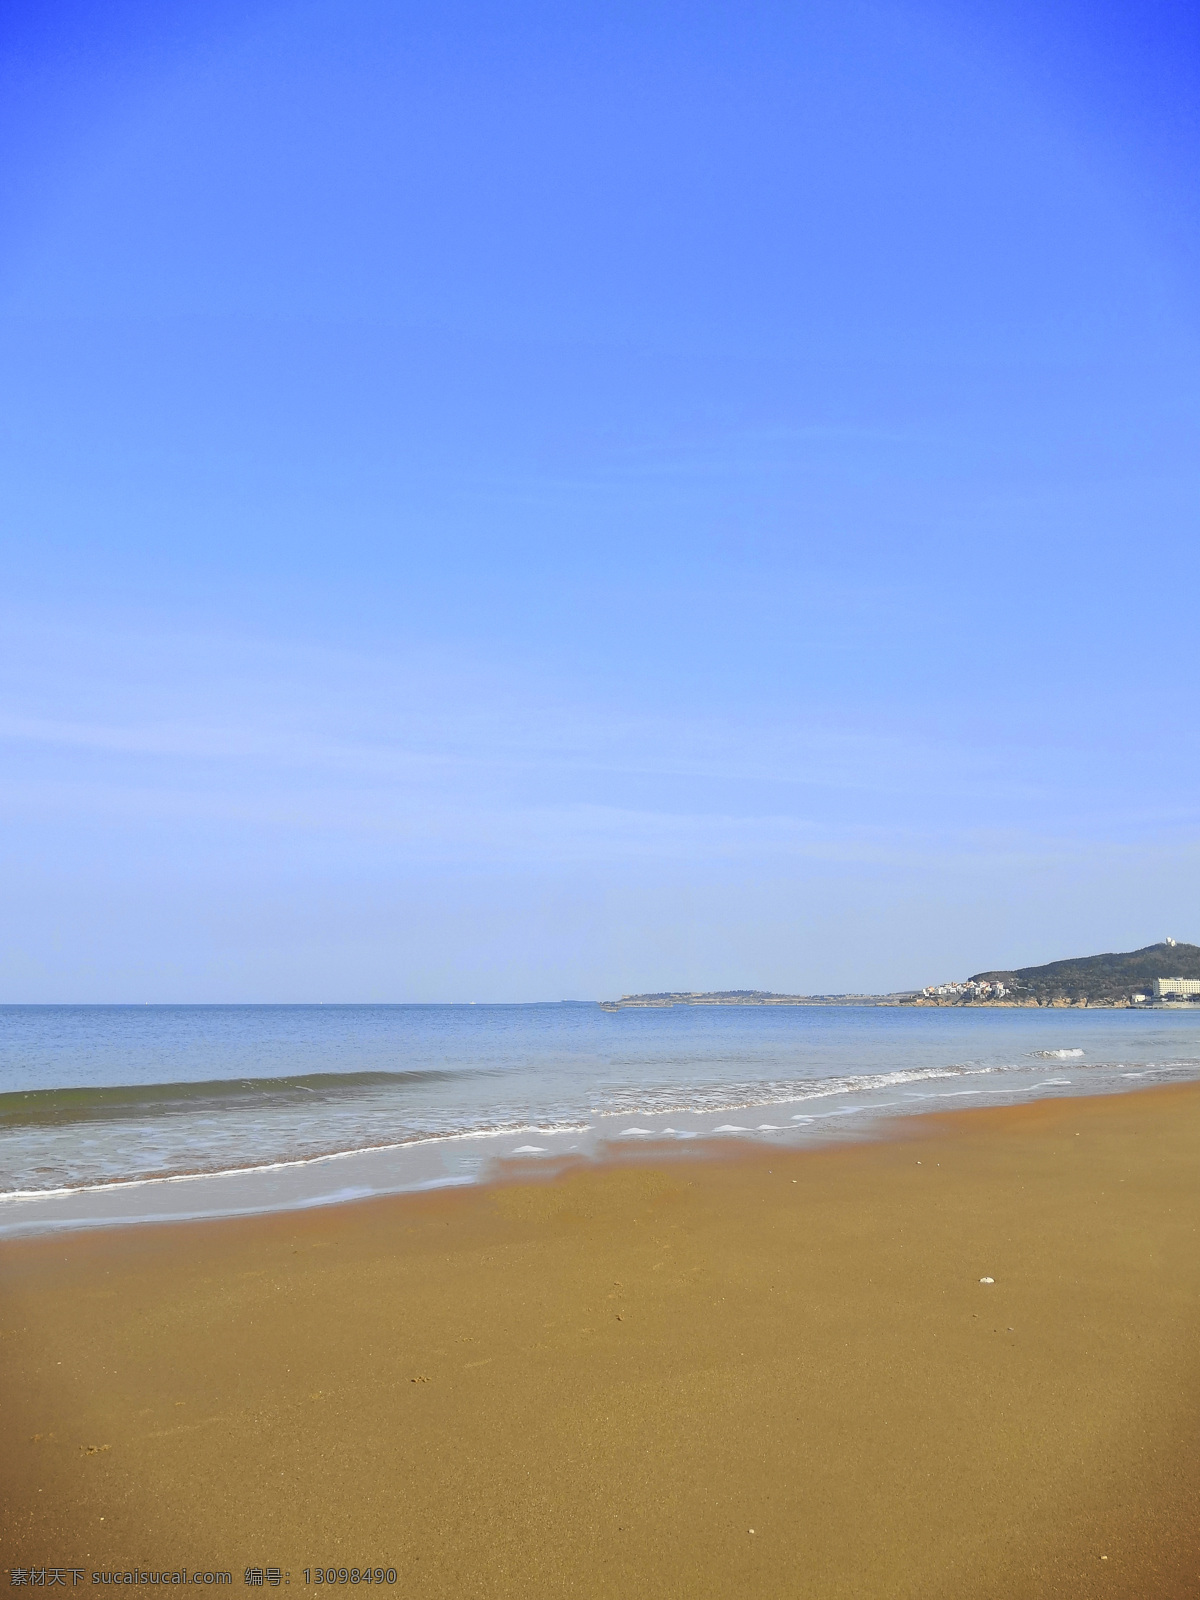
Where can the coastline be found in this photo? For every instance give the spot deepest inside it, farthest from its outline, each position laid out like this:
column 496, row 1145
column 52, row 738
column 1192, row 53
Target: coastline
column 907, row 1002
column 598, row 1383
column 816, row 1114
column 174, row 1114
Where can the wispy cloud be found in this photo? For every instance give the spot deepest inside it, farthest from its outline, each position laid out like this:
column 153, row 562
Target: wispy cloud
column 426, row 758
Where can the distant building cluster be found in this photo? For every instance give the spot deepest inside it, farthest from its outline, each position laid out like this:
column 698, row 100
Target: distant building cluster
column 1177, row 988
column 965, row 991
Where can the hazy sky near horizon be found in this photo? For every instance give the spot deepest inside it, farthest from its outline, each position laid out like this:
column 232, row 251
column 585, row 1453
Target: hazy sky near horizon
column 536, row 500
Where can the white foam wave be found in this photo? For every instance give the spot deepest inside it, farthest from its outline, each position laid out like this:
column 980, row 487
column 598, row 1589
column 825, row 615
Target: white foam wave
column 777, row 1092
column 9, row 1196
column 823, row 1098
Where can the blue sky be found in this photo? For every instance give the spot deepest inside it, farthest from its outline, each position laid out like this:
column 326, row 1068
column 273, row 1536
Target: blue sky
column 515, row 502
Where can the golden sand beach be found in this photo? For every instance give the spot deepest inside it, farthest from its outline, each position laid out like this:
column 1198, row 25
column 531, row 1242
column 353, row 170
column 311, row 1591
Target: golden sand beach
column 757, row 1374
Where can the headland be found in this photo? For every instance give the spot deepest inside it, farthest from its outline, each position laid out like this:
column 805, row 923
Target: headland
column 1163, row 974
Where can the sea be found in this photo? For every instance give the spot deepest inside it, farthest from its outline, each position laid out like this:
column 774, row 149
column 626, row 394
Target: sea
column 135, row 1114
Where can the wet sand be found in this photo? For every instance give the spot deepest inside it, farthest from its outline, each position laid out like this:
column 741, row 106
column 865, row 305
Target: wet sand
column 756, row 1375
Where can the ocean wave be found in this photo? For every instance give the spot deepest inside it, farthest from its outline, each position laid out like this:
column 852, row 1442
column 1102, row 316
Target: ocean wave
column 122, row 1102
column 63, row 1141
column 777, row 1092
column 139, row 1180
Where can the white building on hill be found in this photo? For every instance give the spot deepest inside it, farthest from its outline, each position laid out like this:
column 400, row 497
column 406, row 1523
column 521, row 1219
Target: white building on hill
column 1176, row 988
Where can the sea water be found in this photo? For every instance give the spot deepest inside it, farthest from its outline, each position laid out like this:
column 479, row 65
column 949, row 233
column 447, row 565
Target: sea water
column 127, row 1113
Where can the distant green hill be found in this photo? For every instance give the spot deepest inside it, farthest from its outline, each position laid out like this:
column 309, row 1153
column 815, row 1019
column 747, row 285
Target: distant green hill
column 1107, row 977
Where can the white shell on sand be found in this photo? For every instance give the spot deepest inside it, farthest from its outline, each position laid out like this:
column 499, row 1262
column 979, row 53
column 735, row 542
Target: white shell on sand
column 987, row 1280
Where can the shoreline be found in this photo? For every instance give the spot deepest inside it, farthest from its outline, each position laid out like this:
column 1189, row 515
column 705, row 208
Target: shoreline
column 599, row 1381
column 848, row 1113
column 920, row 1002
